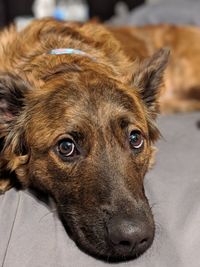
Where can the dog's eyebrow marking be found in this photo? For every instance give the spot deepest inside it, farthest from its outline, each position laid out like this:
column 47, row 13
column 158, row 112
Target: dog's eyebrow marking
column 64, row 51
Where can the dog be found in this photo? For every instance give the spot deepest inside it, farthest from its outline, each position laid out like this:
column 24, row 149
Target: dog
column 78, row 104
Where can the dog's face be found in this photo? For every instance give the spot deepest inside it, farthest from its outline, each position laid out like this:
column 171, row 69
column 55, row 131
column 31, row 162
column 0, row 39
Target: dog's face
column 87, row 141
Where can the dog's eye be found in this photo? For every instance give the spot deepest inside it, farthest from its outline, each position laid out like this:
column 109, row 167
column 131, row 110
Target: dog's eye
column 66, row 147
column 136, row 139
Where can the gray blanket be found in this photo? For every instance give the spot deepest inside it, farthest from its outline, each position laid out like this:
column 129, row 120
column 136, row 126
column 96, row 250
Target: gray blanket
column 31, row 234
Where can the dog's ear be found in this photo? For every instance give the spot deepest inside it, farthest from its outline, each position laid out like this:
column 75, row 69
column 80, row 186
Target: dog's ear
column 13, row 150
column 12, row 101
column 148, row 78
column 12, row 92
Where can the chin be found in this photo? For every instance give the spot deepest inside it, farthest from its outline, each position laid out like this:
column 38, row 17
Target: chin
column 95, row 241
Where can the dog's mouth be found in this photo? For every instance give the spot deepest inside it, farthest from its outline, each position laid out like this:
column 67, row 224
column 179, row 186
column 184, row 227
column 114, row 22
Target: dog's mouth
column 117, row 240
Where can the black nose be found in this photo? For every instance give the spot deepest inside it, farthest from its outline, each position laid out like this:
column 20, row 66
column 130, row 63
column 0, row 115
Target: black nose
column 129, row 236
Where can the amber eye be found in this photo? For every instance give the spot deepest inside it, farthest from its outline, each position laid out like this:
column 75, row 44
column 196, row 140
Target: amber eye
column 136, row 139
column 66, row 147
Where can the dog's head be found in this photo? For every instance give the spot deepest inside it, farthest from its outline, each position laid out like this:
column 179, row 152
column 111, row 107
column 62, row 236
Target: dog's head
column 86, row 138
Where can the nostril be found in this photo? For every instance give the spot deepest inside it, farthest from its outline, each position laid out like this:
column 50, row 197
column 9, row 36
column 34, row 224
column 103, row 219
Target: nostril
column 125, row 243
column 143, row 241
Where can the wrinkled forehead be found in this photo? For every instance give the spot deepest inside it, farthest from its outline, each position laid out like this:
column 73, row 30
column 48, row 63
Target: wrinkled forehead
column 65, row 105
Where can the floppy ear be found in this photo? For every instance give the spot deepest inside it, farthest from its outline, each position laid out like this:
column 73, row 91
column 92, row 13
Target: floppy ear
column 12, row 143
column 148, row 79
column 12, row 92
column 12, row 96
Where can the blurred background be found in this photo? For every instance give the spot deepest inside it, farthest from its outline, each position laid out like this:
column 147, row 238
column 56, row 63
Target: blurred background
column 118, row 12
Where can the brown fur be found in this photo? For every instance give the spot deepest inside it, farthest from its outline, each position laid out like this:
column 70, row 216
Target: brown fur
column 182, row 81
column 45, row 99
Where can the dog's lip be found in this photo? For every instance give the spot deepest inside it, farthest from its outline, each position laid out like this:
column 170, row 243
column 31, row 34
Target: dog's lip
column 109, row 254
